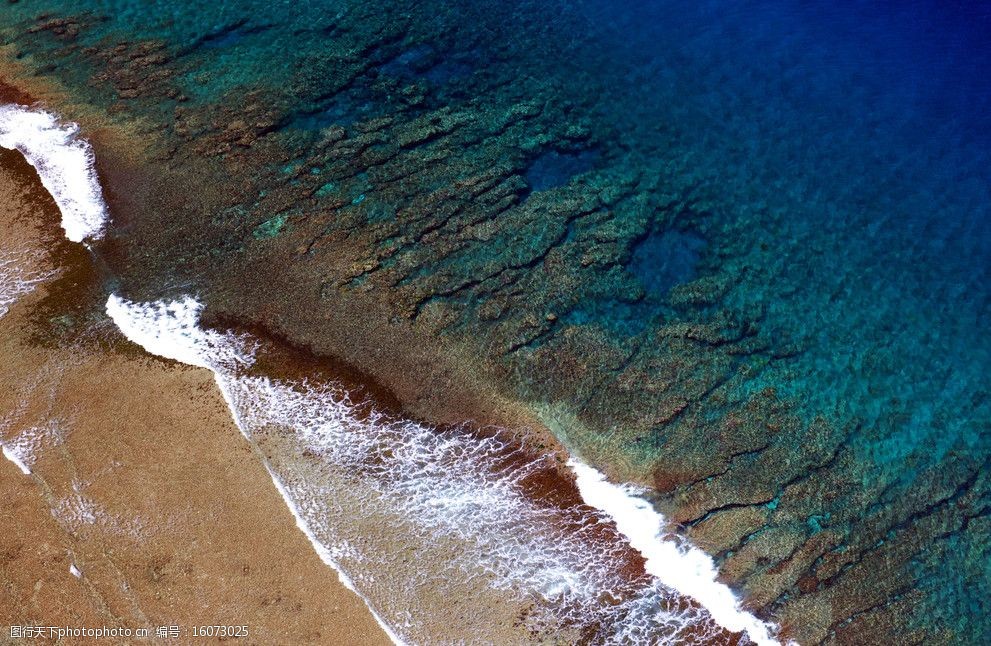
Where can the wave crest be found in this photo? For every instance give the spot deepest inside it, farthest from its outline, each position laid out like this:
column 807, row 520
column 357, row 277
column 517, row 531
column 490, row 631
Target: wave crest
column 65, row 164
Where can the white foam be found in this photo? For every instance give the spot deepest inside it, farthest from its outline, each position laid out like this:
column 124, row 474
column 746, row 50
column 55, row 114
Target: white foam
column 171, row 330
column 427, row 487
column 64, row 163
column 23, row 447
column 16, row 278
column 687, row 570
column 16, row 459
column 444, row 497
column 328, row 558
column 76, row 511
column 450, row 498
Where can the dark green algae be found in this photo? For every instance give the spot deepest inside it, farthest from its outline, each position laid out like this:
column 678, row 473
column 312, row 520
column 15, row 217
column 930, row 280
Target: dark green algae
column 739, row 288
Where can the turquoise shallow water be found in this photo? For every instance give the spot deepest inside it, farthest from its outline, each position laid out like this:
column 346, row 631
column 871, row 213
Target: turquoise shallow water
column 829, row 163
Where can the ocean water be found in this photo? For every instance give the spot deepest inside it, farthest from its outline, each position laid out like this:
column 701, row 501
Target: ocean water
column 826, row 164
column 848, row 144
column 427, row 525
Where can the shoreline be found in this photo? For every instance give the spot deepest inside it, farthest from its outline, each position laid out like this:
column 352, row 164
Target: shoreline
column 133, row 526
column 710, row 281
column 375, row 386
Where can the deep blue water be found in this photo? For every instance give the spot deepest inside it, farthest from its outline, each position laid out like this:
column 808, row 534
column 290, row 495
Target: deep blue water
column 853, row 139
column 553, row 168
column 848, row 148
column 665, row 259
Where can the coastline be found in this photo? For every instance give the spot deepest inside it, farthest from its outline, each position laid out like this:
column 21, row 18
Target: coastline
column 803, row 395
column 553, row 491
column 140, row 483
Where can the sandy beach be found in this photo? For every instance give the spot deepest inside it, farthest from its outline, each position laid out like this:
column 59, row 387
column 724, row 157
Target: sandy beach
column 144, row 506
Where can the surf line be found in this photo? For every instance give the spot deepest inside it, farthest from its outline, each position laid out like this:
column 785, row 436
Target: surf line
column 64, row 162
column 172, row 331
column 687, row 570
column 65, row 165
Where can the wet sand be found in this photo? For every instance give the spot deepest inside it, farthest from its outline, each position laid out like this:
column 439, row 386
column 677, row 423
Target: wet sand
column 140, row 483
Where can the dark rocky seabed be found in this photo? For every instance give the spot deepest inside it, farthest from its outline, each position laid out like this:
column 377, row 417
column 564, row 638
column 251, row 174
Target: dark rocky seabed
column 740, row 254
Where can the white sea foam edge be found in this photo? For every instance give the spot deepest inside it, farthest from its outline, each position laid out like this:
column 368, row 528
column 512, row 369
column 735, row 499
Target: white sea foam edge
column 171, row 330
column 686, row 569
column 65, row 164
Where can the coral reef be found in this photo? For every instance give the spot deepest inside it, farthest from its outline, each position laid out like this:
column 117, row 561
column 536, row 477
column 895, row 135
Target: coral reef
column 659, row 263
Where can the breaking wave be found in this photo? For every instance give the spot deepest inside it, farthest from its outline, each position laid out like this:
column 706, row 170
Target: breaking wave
column 64, row 162
column 442, row 517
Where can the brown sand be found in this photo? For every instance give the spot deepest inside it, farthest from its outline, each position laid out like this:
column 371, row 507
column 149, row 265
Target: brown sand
column 141, row 481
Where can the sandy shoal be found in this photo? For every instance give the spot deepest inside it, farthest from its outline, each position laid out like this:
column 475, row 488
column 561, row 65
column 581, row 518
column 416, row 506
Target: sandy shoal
column 141, row 482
